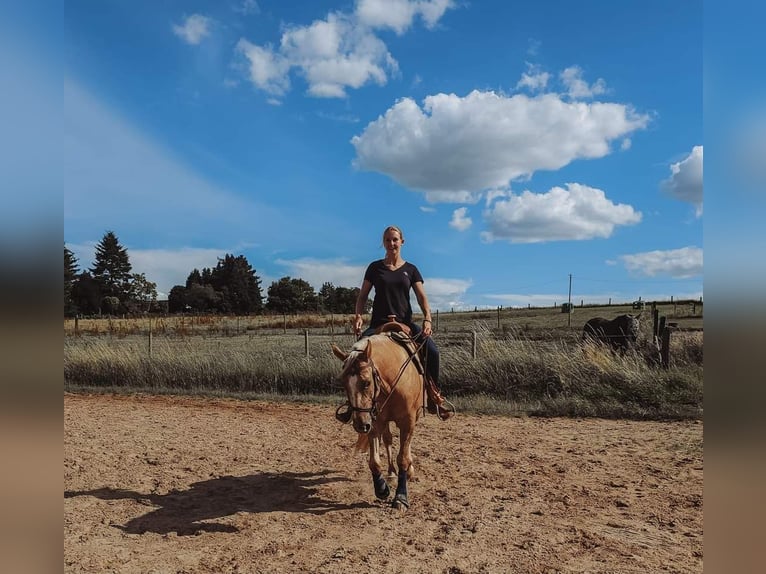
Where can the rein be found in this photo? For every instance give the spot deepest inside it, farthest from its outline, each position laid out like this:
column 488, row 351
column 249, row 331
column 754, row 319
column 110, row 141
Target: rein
column 376, row 379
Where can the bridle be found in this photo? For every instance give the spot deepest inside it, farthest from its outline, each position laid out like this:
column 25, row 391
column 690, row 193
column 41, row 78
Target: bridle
column 373, row 410
column 376, row 379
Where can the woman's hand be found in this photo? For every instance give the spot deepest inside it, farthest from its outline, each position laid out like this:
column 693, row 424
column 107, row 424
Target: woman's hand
column 358, row 325
column 427, row 329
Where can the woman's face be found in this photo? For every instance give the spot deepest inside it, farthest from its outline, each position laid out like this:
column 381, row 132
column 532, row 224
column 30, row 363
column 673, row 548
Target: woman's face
column 392, row 241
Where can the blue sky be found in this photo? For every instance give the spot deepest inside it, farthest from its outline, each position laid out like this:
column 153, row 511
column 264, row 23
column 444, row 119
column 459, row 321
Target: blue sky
column 514, row 143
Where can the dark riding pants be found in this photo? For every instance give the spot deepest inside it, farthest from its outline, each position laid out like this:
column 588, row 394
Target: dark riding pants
column 432, row 353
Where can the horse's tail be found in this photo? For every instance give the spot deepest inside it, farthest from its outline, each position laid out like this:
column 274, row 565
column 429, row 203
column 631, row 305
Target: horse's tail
column 362, row 443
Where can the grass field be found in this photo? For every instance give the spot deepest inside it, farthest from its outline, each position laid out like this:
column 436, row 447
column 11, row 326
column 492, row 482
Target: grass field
column 526, row 360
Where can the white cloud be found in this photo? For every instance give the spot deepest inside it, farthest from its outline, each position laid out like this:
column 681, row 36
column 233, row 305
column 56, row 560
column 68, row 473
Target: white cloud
column 169, row 267
column 427, row 209
column 399, row 14
column 339, row 52
column 577, row 88
column 247, row 7
column 533, row 46
column 194, row 29
column 685, row 182
column 578, row 212
column 267, row 70
column 460, row 219
column 484, row 140
column 320, row 271
column 678, row 263
column 452, row 197
column 626, row 144
column 533, row 79
column 443, row 294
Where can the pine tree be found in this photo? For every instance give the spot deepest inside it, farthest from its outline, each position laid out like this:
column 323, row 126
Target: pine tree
column 71, row 269
column 239, row 286
column 111, row 268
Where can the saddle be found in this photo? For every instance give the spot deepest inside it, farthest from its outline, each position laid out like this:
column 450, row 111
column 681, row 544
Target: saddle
column 401, row 333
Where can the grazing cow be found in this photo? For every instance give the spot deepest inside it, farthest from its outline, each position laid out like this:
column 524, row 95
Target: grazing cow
column 619, row 333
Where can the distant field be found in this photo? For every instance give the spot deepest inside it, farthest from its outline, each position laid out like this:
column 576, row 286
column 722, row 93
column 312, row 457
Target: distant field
column 536, row 323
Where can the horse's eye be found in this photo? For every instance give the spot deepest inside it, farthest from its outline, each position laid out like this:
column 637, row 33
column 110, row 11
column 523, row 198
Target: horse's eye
column 365, row 383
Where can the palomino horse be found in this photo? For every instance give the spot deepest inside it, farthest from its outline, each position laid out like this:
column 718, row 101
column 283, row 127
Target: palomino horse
column 383, row 385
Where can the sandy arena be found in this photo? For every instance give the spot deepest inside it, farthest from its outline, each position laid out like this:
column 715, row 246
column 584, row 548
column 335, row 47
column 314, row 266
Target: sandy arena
column 186, row 485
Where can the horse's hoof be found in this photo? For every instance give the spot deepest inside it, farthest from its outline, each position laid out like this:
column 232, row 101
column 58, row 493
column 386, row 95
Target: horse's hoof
column 382, row 493
column 400, row 502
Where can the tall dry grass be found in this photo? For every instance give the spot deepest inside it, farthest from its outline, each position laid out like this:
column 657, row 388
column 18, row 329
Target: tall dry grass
column 512, row 373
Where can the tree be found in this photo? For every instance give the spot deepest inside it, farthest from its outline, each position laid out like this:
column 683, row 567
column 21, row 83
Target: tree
column 142, row 293
column 291, row 296
column 194, row 278
column 86, row 294
column 202, row 298
column 177, row 299
column 111, row 268
column 238, row 285
column 327, row 300
column 339, row 299
column 71, row 269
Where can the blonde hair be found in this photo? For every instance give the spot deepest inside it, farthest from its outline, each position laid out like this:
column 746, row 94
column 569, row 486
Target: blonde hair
column 391, row 228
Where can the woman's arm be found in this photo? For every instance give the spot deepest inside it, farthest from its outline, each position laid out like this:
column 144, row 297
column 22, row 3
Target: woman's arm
column 361, row 301
column 420, row 294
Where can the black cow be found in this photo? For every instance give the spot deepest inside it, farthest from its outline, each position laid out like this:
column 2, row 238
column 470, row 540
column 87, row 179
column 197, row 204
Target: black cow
column 620, row 333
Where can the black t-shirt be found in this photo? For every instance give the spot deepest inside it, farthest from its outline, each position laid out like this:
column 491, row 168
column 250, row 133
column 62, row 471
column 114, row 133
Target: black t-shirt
column 392, row 291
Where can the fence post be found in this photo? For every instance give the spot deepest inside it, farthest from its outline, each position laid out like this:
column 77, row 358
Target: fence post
column 473, row 345
column 437, row 320
column 284, row 322
column 498, row 318
column 665, row 348
column 150, row 337
column 306, row 341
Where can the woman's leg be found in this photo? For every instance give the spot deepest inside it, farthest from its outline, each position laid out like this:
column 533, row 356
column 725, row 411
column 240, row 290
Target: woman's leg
column 431, row 352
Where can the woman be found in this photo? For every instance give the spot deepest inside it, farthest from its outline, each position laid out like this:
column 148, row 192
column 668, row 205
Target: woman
column 392, row 277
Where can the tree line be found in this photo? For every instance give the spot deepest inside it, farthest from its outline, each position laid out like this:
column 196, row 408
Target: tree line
column 232, row 287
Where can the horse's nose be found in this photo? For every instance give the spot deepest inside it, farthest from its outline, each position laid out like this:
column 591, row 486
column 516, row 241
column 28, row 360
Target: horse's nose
column 363, row 428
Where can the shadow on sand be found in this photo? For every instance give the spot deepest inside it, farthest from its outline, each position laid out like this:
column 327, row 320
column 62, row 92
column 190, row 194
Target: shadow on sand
column 183, row 511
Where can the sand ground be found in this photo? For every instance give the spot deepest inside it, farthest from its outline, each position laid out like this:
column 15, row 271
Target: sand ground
column 188, row 485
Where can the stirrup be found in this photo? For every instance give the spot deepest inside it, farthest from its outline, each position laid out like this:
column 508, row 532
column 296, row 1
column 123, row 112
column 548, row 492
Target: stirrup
column 343, row 417
column 446, row 412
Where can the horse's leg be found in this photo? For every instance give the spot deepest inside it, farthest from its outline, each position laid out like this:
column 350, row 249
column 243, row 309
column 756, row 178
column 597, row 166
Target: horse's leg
column 379, row 483
column 404, row 460
column 387, row 441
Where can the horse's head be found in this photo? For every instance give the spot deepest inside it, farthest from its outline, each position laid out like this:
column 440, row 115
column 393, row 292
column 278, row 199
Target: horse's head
column 359, row 380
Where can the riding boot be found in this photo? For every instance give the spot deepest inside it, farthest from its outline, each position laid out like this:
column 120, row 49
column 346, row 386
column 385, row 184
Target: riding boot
column 435, row 402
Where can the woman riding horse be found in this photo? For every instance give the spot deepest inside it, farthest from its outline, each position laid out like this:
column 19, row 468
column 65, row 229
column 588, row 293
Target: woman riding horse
column 393, row 277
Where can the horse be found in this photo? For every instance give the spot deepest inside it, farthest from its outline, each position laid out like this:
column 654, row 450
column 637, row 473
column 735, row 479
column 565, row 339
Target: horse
column 383, row 385
column 620, row 333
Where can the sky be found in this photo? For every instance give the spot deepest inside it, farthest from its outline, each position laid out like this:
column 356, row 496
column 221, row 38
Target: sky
column 517, row 144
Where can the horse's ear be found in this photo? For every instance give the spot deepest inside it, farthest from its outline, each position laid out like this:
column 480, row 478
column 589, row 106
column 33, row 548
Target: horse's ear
column 338, row 353
column 368, row 350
